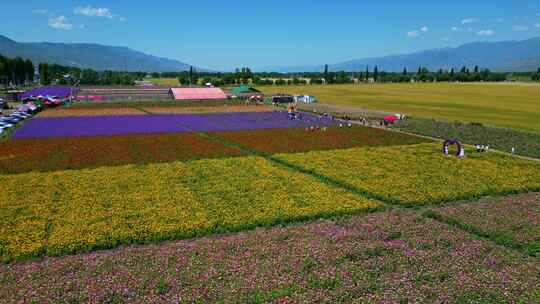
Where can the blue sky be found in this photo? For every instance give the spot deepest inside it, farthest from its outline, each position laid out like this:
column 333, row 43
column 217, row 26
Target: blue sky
column 227, row 34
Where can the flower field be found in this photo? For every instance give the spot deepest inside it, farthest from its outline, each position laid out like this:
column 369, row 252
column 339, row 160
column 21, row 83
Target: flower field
column 395, row 257
column 146, row 124
column 421, row 174
column 77, row 112
column 156, row 103
column 54, row 154
column 72, row 211
column 214, row 109
column 118, row 109
column 205, row 204
column 514, row 220
column 525, row 143
column 302, row 140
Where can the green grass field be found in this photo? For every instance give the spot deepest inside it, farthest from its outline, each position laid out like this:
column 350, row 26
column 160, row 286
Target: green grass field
column 172, row 82
column 506, row 105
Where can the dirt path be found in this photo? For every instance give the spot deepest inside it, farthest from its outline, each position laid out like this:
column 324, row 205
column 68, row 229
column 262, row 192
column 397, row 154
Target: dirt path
column 341, row 111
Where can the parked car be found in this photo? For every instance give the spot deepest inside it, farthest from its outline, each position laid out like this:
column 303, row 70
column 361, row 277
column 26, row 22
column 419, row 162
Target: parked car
column 52, row 101
column 10, row 119
column 32, row 108
column 5, row 125
column 22, row 116
column 35, row 106
column 282, row 98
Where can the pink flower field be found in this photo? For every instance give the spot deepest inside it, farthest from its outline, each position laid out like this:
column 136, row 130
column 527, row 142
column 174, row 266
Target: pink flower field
column 394, row 257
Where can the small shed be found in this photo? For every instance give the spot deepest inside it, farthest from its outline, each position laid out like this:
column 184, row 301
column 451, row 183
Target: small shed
column 305, row 98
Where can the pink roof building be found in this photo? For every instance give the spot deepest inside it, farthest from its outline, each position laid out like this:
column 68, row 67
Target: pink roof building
column 197, row 93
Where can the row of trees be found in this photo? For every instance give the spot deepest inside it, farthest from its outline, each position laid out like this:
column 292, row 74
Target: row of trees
column 536, row 76
column 53, row 73
column 16, row 71
column 246, row 76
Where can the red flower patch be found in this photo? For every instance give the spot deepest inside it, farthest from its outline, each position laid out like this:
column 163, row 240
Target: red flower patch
column 302, row 140
column 19, row 156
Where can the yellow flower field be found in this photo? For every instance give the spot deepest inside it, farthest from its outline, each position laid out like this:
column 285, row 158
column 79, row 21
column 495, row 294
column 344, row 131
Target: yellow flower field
column 421, row 174
column 70, row 211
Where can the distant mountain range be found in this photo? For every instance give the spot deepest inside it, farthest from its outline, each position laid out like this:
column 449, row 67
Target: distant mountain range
column 93, row 56
column 507, row 56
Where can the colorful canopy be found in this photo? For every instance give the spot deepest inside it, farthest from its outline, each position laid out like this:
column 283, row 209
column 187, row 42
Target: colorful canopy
column 197, row 93
column 390, row 118
column 244, row 89
column 62, row 92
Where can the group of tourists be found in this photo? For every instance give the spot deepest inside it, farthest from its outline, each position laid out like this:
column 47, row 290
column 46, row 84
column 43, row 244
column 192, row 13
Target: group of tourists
column 482, row 148
column 293, row 112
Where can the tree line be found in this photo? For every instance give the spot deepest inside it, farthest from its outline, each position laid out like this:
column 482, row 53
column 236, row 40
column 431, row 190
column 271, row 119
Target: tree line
column 64, row 75
column 536, row 76
column 16, row 71
column 246, row 76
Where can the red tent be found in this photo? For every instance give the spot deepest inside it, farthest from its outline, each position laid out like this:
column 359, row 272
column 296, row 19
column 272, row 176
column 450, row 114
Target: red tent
column 390, row 118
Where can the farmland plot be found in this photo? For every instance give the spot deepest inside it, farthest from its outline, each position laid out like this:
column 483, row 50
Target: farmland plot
column 385, row 257
column 421, row 174
column 70, row 211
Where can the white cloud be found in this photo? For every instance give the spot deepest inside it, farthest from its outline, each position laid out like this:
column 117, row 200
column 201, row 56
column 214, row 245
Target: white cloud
column 89, row 11
column 40, row 11
column 122, row 19
column 455, row 29
column 416, row 33
column 520, row 28
column 486, row 33
column 60, row 23
column 537, row 25
column 469, row 20
column 413, row 34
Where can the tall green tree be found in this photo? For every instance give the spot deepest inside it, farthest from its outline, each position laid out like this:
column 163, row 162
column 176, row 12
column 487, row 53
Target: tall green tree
column 367, row 73
column 29, row 70
column 3, row 71
column 44, row 74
